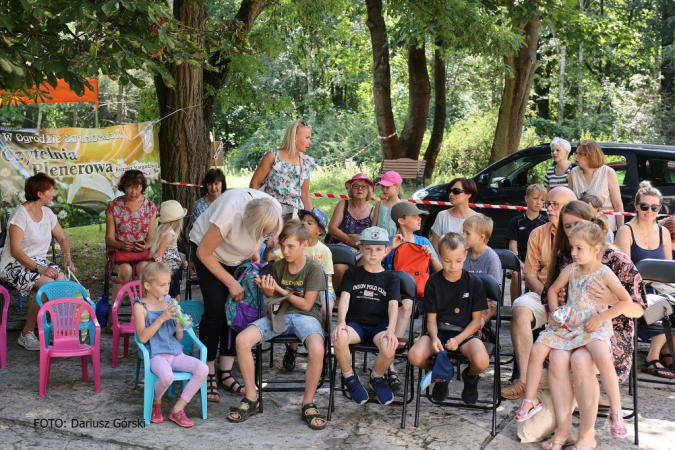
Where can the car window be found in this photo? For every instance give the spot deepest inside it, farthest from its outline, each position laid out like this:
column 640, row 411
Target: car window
column 661, row 172
column 521, row 172
column 618, row 163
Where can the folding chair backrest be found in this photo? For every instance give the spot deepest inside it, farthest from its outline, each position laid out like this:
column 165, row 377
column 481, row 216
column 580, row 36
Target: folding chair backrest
column 509, row 261
column 60, row 289
column 342, row 254
column 660, row 270
column 491, row 286
column 408, row 286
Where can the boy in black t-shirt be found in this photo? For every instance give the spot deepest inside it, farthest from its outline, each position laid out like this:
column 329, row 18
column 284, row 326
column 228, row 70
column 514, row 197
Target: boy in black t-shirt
column 520, row 227
column 454, row 302
column 367, row 314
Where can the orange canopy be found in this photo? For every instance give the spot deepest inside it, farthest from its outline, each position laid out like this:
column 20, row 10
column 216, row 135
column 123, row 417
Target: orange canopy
column 63, row 94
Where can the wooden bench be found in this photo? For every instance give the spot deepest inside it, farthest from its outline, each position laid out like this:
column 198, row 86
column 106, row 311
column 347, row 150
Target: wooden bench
column 409, row 169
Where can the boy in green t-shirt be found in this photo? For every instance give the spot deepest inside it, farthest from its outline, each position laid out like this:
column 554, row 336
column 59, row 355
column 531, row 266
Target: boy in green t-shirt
column 301, row 278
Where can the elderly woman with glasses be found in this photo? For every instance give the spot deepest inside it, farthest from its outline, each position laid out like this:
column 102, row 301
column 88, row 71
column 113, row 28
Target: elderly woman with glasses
column 460, row 192
column 556, row 175
column 284, row 173
column 643, row 238
column 351, row 217
column 592, row 176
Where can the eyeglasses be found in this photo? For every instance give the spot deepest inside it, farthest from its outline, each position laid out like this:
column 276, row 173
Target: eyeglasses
column 268, row 237
column 456, row 191
column 359, row 187
column 552, row 205
column 647, row 207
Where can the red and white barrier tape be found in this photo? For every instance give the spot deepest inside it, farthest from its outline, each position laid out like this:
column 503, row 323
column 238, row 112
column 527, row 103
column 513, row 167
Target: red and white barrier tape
column 175, row 183
column 471, row 205
column 379, row 138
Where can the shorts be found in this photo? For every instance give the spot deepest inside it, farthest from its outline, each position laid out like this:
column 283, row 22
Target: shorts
column 331, row 298
column 300, row 325
column 532, row 301
column 368, row 332
column 176, row 278
column 444, row 337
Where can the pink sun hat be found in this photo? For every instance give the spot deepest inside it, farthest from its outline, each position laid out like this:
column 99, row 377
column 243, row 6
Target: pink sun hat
column 359, row 176
column 390, row 178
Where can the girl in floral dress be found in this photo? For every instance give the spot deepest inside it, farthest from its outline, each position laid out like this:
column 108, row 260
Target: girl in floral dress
column 588, row 323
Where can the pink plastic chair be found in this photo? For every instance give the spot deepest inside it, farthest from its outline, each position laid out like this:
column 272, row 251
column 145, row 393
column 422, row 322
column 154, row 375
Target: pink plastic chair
column 65, row 318
column 3, row 327
column 133, row 289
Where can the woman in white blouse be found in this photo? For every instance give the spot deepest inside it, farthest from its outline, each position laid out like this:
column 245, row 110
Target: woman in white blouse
column 24, row 264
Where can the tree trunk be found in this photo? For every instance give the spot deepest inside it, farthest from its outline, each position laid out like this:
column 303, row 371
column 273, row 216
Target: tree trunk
column 419, row 96
column 382, row 79
column 516, row 93
column 580, row 93
column 561, row 85
column 542, row 87
column 120, row 105
column 440, row 112
column 185, row 147
column 39, row 118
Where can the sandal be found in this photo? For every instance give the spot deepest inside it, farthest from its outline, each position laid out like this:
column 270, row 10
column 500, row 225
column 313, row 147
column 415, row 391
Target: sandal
column 310, row 418
column 616, row 424
column 585, row 447
column 289, row 358
column 231, row 386
column 252, row 407
column 551, row 443
column 212, row 394
column 392, row 379
column 664, row 362
column 514, row 391
column 522, row 415
column 657, row 371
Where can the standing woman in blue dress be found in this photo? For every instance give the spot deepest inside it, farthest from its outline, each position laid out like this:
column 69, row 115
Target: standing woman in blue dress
column 284, row 172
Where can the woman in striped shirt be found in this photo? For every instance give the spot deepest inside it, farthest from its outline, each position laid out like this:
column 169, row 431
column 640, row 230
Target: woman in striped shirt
column 556, row 175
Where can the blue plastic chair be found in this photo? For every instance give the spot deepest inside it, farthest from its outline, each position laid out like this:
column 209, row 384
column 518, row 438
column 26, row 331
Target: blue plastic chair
column 151, row 378
column 64, row 289
column 196, row 310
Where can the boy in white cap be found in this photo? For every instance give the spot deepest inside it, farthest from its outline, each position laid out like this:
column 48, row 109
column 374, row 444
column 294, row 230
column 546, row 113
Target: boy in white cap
column 367, row 313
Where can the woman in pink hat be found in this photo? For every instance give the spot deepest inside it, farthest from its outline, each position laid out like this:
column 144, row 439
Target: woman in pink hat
column 391, row 188
column 351, row 217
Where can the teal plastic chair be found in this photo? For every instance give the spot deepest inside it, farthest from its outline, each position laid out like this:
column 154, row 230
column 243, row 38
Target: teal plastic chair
column 194, row 309
column 151, row 378
column 64, row 289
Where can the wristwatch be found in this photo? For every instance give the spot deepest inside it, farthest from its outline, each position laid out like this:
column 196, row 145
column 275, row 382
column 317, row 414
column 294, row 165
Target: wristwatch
column 37, row 266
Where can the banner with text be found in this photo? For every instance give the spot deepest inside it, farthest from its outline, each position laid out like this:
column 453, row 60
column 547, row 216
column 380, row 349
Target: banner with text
column 86, row 163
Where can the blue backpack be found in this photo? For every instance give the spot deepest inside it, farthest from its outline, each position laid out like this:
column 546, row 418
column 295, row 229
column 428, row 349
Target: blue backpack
column 240, row 314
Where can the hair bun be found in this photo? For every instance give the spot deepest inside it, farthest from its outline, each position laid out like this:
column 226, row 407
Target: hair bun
column 645, row 184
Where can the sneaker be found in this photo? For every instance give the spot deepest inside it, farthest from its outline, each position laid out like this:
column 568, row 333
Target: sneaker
column 181, row 419
column 440, row 391
column 382, row 390
column 470, row 391
column 156, row 416
column 29, row 341
column 356, row 390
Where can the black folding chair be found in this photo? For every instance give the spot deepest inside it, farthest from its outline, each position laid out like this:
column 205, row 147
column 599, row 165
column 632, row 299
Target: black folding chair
column 299, row 384
column 408, row 290
column 492, row 291
column 511, row 262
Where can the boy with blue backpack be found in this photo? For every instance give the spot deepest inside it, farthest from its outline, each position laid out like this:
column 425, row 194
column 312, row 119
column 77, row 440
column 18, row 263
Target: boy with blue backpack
column 299, row 279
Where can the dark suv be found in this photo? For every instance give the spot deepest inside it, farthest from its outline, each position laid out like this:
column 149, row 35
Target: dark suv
column 504, row 182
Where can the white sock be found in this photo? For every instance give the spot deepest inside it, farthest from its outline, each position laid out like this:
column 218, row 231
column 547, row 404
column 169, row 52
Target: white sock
column 348, row 374
column 374, row 374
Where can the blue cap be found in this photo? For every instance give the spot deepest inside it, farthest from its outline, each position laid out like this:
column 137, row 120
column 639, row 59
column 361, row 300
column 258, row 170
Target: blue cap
column 319, row 215
column 443, row 370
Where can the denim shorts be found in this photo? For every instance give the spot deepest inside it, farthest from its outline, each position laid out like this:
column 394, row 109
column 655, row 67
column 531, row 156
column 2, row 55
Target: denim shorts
column 368, row 332
column 300, row 325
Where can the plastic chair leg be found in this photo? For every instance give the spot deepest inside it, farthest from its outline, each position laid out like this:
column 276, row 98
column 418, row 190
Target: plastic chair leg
column 96, row 363
column 115, row 347
column 44, row 372
column 126, row 345
column 203, row 397
column 138, row 371
column 85, row 371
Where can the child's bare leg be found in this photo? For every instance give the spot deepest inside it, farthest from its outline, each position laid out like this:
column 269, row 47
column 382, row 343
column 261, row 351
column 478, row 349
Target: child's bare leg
column 602, row 357
column 404, row 313
column 385, row 356
column 246, row 340
column 475, row 352
column 341, row 349
column 535, row 369
column 315, row 350
column 421, row 353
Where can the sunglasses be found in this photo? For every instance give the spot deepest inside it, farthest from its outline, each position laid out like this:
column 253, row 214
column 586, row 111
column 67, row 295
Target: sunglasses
column 456, row 191
column 647, row 207
column 303, row 123
column 360, row 187
column 552, row 205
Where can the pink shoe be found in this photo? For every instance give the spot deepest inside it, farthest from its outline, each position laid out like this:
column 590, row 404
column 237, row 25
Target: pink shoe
column 521, row 415
column 181, row 419
column 616, row 424
column 156, row 416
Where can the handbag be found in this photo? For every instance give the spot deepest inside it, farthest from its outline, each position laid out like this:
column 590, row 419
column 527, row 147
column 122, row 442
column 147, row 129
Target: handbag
column 124, row 257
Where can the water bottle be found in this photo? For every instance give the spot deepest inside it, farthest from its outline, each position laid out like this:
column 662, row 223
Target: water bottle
column 84, row 320
column 183, row 319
